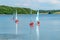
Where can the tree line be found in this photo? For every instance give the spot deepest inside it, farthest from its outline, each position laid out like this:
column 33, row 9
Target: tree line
column 10, row 10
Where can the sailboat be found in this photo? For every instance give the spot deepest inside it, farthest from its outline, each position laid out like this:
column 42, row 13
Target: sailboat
column 16, row 21
column 31, row 23
column 37, row 25
column 37, row 19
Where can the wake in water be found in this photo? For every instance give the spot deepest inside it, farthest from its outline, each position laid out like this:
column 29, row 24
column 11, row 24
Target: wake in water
column 37, row 32
column 15, row 18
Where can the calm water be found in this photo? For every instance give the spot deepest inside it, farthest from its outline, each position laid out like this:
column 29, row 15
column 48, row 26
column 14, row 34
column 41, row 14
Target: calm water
column 49, row 27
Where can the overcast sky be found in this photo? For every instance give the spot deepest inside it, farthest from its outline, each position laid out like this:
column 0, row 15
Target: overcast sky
column 34, row 4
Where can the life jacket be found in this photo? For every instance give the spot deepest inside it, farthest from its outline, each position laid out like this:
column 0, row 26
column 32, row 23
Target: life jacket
column 16, row 21
column 38, row 23
column 31, row 24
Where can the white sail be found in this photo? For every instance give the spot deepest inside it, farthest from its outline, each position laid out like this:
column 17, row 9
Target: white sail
column 37, row 17
column 31, row 14
column 37, row 27
column 16, row 14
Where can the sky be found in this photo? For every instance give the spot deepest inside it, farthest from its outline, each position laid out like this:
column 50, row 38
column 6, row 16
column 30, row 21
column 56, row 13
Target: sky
column 33, row 4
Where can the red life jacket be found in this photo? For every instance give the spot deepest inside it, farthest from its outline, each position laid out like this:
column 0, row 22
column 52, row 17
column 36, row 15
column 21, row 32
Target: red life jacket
column 38, row 23
column 31, row 24
column 16, row 21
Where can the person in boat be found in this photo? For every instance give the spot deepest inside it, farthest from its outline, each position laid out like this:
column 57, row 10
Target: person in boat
column 16, row 21
column 31, row 24
column 38, row 23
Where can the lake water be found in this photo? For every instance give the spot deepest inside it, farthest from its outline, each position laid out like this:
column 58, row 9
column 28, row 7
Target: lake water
column 49, row 27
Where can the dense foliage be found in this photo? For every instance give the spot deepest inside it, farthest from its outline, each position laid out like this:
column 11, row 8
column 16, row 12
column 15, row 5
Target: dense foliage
column 11, row 10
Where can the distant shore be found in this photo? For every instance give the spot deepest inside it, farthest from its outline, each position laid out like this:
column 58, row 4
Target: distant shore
column 12, row 10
